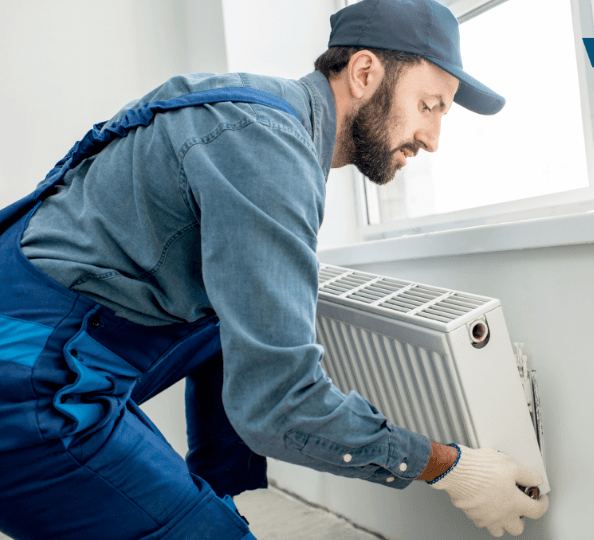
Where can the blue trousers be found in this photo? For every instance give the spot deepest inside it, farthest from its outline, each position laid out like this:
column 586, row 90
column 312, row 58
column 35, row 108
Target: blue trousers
column 78, row 458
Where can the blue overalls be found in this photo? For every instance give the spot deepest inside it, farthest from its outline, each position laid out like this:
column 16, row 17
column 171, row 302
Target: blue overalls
column 78, row 458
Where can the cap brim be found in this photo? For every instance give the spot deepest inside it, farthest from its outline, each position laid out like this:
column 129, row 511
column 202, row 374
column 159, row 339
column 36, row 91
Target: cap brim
column 472, row 94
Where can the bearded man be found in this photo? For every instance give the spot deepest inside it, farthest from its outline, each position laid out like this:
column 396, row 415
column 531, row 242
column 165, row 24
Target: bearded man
column 177, row 240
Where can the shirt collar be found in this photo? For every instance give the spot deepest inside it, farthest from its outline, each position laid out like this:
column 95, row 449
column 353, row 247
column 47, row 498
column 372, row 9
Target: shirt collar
column 323, row 117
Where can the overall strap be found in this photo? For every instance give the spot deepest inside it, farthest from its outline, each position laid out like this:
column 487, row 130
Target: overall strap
column 96, row 140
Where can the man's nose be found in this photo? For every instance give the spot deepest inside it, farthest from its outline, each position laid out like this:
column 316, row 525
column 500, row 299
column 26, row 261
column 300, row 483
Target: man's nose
column 428, row 135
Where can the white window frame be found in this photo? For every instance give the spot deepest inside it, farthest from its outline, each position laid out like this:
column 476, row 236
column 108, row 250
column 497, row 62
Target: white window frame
column 467, row 9
column 553, row 205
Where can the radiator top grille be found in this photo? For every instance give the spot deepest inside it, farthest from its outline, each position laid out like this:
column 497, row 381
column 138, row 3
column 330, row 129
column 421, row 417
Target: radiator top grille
column 426, row 305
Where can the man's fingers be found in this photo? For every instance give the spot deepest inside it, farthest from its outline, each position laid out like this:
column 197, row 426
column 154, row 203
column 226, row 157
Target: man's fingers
column 528, row 478
column 534, row 509
column 496, row 530
column 515, row 527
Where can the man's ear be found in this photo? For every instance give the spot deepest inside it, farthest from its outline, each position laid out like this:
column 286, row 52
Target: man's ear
column 364, row 74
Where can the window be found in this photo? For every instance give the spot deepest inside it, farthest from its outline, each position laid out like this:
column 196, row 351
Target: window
column 534, row 148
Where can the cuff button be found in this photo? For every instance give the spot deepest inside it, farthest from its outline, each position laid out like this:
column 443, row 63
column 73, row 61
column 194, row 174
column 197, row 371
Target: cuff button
column 390, row 479
column 347, row 458
column 403, row 467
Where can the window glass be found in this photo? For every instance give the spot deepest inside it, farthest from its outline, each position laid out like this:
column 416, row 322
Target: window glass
column 525, row 51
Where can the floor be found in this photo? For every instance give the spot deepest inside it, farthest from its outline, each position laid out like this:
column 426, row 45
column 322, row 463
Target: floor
column 275, row 515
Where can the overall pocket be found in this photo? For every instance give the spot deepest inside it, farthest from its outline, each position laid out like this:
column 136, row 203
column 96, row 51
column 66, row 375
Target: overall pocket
column 102, row 386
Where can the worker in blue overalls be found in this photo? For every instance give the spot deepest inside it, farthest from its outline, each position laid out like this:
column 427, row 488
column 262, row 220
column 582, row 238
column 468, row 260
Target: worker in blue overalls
column 177, row 240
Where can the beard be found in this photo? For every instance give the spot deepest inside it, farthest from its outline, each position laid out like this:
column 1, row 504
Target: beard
column 366, row 136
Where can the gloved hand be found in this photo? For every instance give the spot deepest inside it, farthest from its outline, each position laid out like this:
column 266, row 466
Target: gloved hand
column 483, row 484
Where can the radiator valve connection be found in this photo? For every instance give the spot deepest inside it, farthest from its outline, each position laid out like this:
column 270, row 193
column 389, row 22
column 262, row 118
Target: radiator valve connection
column 479, row 332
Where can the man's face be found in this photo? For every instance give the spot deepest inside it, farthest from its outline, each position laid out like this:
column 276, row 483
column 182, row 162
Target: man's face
column 399, row 119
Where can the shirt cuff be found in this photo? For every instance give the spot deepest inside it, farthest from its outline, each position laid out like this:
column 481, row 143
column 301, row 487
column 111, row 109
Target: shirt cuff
column 408, row 457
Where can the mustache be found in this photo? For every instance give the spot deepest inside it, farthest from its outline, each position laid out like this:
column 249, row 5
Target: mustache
column 413, row 148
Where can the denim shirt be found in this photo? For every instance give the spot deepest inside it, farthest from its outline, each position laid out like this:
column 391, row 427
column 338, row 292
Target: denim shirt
column 218, row 207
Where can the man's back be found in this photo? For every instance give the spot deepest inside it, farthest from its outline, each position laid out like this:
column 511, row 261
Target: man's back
column 124, row 228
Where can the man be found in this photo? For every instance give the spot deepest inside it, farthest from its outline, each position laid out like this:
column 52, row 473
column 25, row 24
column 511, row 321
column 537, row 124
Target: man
column 178, row 240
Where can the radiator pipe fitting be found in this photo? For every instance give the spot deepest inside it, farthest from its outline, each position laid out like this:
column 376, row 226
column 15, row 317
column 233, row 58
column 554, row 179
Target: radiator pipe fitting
column 478, row 330
column 532, row 491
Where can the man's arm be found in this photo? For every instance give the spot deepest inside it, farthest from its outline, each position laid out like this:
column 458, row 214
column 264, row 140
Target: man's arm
column 260, row 192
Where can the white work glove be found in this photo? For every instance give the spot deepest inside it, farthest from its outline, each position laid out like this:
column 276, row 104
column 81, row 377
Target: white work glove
column 483, row 484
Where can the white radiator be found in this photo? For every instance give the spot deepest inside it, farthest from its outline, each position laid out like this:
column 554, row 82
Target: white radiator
column 434, row 361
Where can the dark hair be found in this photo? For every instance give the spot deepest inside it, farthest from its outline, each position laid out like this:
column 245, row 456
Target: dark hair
column 335, row 59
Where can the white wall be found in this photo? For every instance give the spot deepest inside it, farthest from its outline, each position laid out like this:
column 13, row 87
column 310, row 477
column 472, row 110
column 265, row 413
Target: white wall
column 276, row 38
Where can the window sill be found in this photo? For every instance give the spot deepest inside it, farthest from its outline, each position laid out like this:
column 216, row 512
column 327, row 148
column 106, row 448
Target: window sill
column 543, row 206
column 570, row 229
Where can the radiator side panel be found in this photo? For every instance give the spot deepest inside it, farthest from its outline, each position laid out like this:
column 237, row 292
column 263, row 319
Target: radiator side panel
column 494, row 394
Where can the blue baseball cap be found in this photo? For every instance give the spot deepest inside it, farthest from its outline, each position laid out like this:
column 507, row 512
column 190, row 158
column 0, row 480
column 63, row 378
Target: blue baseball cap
column 423, row 27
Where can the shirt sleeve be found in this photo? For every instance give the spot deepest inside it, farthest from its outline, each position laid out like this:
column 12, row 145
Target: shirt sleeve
column 260, row 194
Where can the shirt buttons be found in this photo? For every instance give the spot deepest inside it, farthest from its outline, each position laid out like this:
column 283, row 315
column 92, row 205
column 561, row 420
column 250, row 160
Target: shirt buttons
column 403, row 467
column 347, row 458
column 390, row 479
